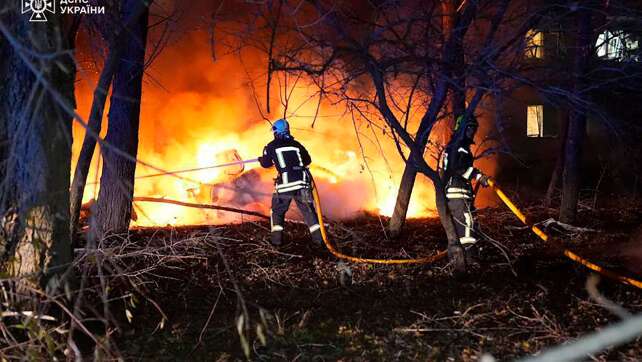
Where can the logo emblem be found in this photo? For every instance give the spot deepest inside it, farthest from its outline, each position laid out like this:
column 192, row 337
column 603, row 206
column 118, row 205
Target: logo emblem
column 38, row 9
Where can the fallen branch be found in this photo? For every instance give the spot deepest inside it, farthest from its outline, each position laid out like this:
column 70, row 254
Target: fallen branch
column 200, row 206
column 550, row 222
column 566, row 227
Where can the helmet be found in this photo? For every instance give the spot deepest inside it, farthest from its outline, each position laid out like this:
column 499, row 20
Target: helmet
column 281, row 127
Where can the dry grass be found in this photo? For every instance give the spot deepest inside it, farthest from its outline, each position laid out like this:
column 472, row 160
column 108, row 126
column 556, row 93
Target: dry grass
column 222, row 292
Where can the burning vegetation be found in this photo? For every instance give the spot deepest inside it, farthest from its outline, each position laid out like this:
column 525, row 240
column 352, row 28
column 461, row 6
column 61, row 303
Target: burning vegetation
column 203, row 115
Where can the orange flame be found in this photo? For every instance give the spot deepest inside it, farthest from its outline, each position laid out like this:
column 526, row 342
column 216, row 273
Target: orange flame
column 205, row 111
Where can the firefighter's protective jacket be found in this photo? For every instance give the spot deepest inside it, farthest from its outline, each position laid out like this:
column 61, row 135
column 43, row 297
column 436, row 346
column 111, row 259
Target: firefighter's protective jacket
column 457, row 164
column 291, row 160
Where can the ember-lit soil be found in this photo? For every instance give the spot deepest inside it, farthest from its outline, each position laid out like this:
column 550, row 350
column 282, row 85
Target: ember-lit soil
column 295, row 299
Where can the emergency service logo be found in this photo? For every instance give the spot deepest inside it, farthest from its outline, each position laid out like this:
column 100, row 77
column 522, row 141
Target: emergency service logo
column 38, row 9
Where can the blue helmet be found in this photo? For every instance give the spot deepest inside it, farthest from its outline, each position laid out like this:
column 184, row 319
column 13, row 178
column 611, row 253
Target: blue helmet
column 281, row 127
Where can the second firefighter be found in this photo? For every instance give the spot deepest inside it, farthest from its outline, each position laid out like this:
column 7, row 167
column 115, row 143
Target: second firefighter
column 459, row 172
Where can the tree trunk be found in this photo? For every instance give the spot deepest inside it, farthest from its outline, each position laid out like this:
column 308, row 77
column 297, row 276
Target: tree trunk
column 455, row 250
column 35, row 240
column 410, row 172
column 403, row 200
column 577, row 119
column 444, row 215
column 117, row 180
column 559, row 165
column 96, row 115
column 89, row 142
column 457, row 105
column 572, row 160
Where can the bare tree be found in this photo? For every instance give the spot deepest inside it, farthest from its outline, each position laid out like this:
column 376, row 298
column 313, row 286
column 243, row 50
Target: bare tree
column 117, row 180
column 115, row 46
column 601, row 66
column 389, row 62
column 559, row 166
column 35, row 133
column 457, row 104
column 577, row 117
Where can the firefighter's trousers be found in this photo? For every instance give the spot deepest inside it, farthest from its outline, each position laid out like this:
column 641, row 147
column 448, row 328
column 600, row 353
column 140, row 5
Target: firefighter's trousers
column 461, row 211
column 280, row 205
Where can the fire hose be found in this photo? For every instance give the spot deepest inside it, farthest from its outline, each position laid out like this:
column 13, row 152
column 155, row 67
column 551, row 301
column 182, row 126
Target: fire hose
column 569, row 254
column 430, row 259
column 233, row 163
column 338, row 254
column 520, row 215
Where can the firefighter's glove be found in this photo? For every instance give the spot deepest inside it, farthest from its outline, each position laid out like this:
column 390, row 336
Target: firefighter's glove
column 483, row 180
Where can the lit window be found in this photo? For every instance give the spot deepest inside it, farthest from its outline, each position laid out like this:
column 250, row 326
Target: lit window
column 535, row 44
column 535, row 121
column 617, row 45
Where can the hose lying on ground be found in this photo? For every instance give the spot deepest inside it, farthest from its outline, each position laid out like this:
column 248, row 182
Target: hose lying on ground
column 520, row 215
column 569, row 254
column 338, row 254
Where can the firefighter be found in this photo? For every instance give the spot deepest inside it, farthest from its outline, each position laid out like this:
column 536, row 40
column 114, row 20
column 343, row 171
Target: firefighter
column 291, row 160
column 459, row 172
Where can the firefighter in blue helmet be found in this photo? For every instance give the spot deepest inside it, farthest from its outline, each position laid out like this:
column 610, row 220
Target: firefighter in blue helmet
column 291, row 160
column 459, row 173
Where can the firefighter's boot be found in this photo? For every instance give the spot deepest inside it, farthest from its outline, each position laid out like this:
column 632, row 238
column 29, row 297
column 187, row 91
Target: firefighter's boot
column 471, row 252
column 276, row 238
column 457, row 257
column 316, row 236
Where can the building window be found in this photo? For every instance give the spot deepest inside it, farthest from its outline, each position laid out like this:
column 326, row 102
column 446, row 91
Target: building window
column 535, row 121
column 534, row 44
column 618, row 45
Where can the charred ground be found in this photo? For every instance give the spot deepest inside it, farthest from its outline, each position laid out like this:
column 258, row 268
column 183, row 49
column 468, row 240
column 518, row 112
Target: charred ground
column 294, row 295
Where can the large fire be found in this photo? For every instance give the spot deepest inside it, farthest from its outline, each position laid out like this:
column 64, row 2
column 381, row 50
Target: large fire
column 197, row 112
